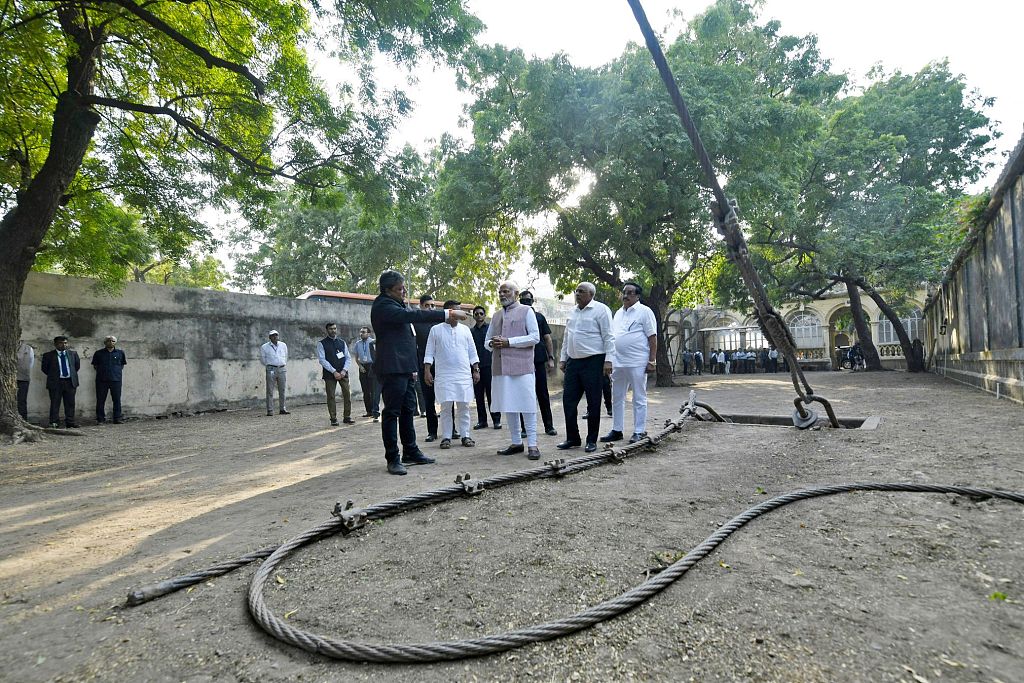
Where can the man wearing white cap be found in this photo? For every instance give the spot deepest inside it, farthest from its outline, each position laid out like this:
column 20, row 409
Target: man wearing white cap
column 109, row 363
column 274, row 356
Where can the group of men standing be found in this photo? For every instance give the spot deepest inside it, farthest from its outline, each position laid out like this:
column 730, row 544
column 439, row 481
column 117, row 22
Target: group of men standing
column 503, row 365
column 61, row 366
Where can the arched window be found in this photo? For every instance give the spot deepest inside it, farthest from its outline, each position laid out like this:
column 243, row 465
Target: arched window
column 728, row 338
column 913, row 323
column 806, row 330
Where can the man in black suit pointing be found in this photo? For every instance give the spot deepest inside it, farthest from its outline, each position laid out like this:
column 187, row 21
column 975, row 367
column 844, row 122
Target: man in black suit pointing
column 397, row 369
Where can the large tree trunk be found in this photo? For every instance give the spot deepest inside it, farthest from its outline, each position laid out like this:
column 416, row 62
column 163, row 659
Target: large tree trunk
column 23, row 228
column 867, row 345
column 914, row 363
column 658, row 301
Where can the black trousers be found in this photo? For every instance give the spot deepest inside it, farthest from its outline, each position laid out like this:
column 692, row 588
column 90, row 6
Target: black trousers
column 540, row 372
column 399, row 392
column 23, row 399
column 65, row 391
column 114, row 388
column 583, row 376
column 482, row 392
column 427, row 404
column 370, row 387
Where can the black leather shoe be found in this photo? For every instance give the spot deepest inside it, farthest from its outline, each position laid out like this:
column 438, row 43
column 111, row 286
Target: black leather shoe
column 522, row 434
column 480, row 425
column 455, row 434
column 396, row 467
column 636, row 437
column 497, row 425
column 430, row 437
column 609, row 412
column 334, row 423
column 550, row 431
column 566, row 445
column 118, row 421
column 585, row 416
column 514, row 448
column 284, row 412
column 417, row 458
column 611, row 436
column 590, row 448
column 72, row 425
column 349, row 421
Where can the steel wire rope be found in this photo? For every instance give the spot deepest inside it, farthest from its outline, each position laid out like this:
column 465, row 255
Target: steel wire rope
column 724, row 213
column 473, row 647
column 556, row 468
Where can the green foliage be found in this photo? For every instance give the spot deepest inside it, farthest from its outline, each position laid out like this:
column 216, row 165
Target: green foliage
column 341, row 240
column 201, row 104
column 205, row 272
column 602, row 152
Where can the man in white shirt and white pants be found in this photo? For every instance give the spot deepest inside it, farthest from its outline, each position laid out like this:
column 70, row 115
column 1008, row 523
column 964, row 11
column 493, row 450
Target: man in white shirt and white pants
column 451, row 365
column 587, row 352
column 636, row 351
column 274, row 355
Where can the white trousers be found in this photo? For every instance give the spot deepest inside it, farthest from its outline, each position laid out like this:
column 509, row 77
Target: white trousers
column 461, row 414
column 515, row 431
column 622, row 380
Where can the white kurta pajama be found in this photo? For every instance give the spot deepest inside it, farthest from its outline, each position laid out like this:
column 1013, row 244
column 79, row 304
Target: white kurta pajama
column 452, row 353
column 515, row 394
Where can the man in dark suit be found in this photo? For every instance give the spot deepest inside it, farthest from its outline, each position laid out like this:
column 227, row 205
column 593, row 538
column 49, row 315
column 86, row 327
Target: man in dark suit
column 397, row 368
column 61, row 368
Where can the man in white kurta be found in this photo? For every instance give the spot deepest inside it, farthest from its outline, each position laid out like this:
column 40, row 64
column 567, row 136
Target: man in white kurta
column 511, row 336
column 636, row 351
column 452, row 366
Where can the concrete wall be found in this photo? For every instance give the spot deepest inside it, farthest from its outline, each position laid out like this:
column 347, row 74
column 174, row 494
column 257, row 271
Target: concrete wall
column 980, row 304
column 188, row 349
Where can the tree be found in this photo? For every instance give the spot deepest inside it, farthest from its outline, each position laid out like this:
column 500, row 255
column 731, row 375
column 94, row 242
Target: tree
column 342, row 240
column 884, row 171
column 166, row 106
column 550, row 131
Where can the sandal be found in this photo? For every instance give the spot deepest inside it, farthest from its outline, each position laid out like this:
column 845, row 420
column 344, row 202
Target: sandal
column 446, row 443
column 468, row 442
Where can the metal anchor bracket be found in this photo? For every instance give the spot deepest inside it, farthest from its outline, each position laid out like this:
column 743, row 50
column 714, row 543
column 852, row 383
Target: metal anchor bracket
column 351, row 519
column 470, row 488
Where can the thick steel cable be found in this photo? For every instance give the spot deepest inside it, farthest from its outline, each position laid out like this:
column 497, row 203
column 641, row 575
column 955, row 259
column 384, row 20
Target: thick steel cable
column 388, row 508
column 474, row 647
column 724, row 213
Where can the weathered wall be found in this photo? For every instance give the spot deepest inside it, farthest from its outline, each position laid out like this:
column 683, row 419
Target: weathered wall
column 188, row 349
column 980, row 303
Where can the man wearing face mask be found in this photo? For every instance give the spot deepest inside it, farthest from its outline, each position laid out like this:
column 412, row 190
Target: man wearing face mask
column 511, row 337
column 543, row 362
column 636, row 349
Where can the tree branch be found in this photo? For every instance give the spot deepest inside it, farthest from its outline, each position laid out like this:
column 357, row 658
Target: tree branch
column 208, row 57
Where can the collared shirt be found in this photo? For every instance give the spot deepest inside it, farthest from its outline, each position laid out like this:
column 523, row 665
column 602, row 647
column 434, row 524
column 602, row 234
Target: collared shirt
column 589, row 332
column 109, row 364
column 274, row 355
column 632, row 328
column 321, row 356
column 363, row 353
column 26, row 359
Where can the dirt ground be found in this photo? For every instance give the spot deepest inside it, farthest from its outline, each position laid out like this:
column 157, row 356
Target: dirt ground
column 872, row 586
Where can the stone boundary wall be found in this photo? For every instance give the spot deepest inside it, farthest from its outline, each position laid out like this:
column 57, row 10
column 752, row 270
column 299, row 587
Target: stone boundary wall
column 976, row 318
column 188, row 349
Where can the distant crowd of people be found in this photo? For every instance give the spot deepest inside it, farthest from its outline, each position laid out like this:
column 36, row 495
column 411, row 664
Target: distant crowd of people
column 739, row 361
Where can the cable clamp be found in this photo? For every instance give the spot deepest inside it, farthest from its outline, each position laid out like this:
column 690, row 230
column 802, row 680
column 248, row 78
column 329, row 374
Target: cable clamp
column 556, row 466
column 351, row 519
column 470, row 488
